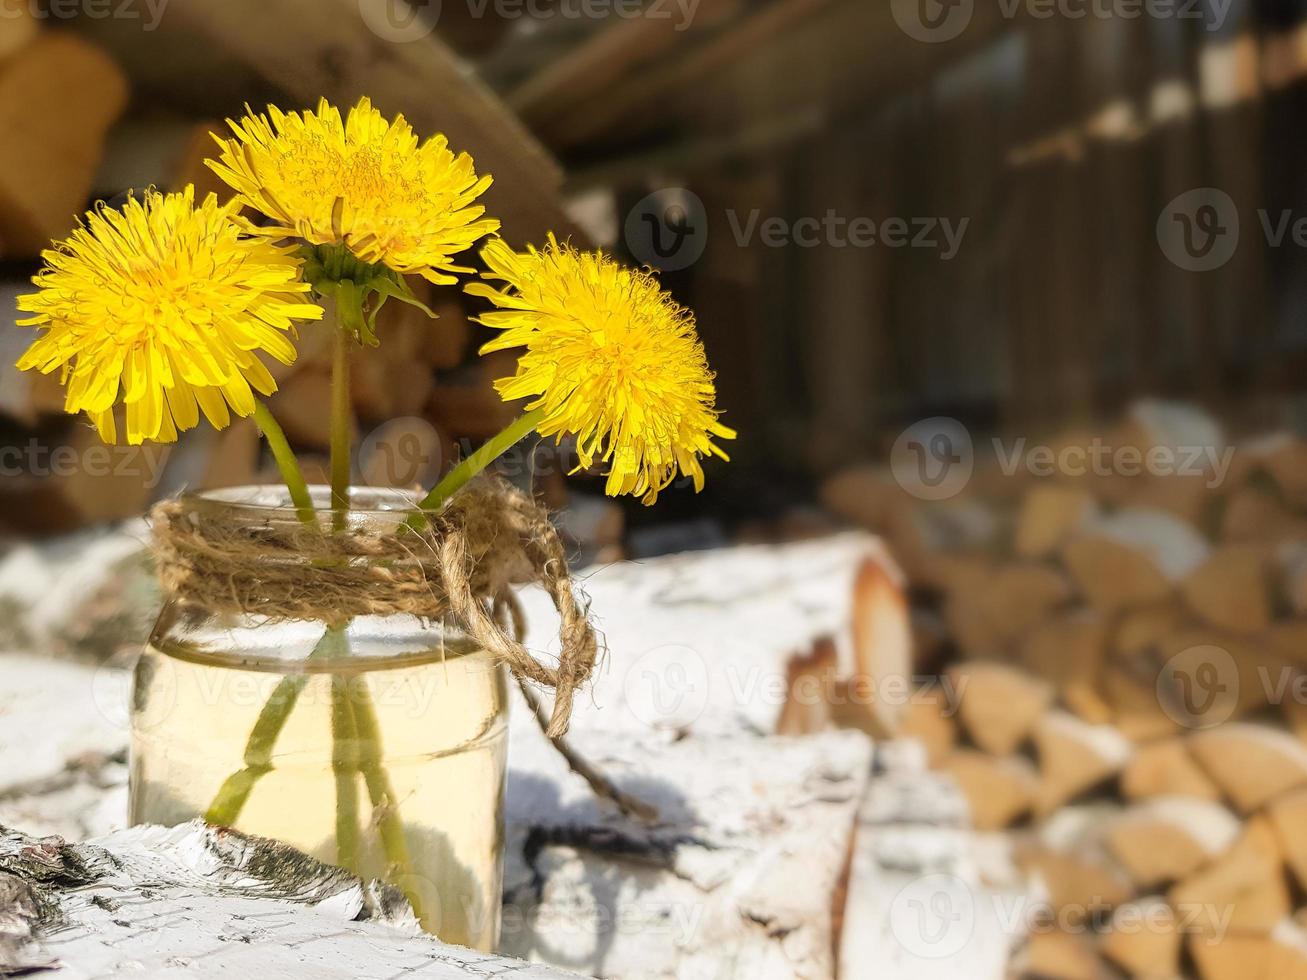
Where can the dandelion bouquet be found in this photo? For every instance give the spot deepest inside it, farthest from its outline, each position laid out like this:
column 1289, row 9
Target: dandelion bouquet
column 164, row 310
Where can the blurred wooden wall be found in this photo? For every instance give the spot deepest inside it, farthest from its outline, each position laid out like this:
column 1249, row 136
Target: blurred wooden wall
column 1062, row 142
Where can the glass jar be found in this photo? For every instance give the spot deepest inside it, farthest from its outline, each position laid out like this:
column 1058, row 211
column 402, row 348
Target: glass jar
column 378, row 745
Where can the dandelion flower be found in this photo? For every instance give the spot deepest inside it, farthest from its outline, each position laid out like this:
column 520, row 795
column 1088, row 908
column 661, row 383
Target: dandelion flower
column 363, row 183
column 610, row 358
column 164, row 306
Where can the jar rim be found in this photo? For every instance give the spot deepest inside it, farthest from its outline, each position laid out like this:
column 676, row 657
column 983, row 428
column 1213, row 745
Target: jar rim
column 272, row 501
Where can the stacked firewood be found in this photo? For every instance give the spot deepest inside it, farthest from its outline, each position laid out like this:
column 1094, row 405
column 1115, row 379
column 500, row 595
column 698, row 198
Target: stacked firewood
column 1119, row 686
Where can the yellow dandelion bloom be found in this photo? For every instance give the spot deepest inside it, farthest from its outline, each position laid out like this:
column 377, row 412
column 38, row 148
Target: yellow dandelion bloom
column 162, row 305
column 609, row 358
column 363, row 183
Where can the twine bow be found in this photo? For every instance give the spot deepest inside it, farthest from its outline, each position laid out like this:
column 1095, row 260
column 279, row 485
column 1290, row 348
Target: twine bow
column 460, row 568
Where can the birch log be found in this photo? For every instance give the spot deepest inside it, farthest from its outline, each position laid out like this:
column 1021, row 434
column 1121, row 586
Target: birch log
column 920, row 901
column 738, row 877
column 743, row 865
column 192, row 900
column 755, row 638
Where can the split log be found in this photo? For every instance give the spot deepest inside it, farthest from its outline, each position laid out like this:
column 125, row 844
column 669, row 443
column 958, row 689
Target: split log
column 1294, row 713
column 67, row 478
column 1055, row 954
column 1133, row 557
column 466, row 404
column 1082, row 877
column 744, row 884
column 1141, row 631
column 1166, row 768
column 1004, row 605
column 1231, row 589
column 1287, row 639
column 1281, row 955
column 1190, row 497
column 1283, row 457
column 1179, row 427
column 1169, row 838
column 930, row 720
column 1051, row 513
column 17, row 27
column 48, row 158
column 195, row 898
column 1288, row 816
column 1253, row 516
column 1291, row 574
column 450, row 337
column 704, row 641
column 1074, row 756
column 1068, row 651
column 1253, row 764
column 869, row 498
column 1209, row 676
column 923, row 898
column 394, row 379
column 1143, row 939
column 1242, row 891
column 1136, row 709
column 998, row 789
column 998, row 705
column 389, row 387
column 302, row 405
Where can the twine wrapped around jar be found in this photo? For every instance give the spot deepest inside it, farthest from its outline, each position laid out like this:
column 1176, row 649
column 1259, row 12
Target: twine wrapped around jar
column 460, row 567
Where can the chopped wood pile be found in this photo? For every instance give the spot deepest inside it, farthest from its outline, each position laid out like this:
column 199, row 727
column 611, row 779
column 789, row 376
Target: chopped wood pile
column 1120, row 666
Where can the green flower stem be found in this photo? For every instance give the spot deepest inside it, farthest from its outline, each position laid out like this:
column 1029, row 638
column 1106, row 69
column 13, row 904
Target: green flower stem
column 230, row 800
column 491, row 450
column 226, row 807
column 340, row 419
column 385, row 803
column 287, row 464
column 344, row 763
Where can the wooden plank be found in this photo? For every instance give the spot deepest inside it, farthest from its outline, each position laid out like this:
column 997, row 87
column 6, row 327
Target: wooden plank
column 323, row 48
column 781, row 60
column 646, row 96
column 611, row 54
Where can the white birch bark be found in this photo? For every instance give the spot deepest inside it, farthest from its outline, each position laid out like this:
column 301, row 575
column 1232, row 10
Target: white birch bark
column 194, row 901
